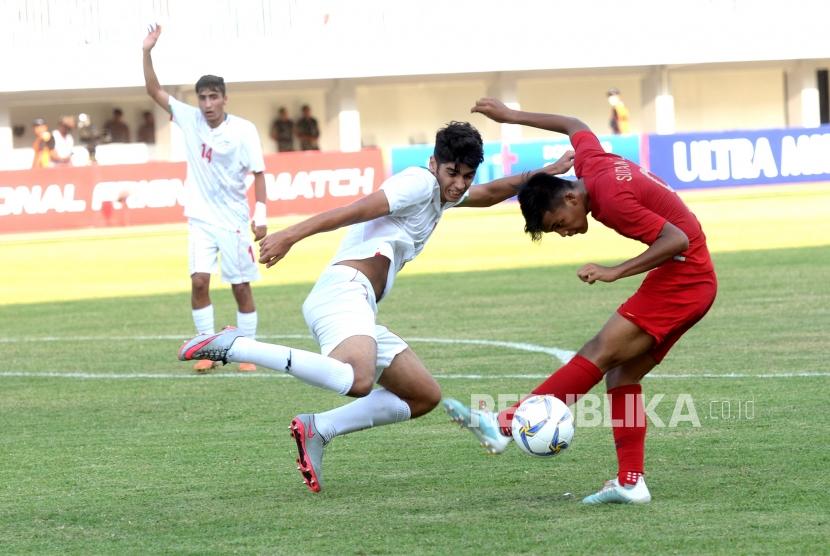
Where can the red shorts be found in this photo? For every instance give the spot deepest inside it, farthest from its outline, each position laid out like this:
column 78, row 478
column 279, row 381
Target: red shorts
column 668, row 303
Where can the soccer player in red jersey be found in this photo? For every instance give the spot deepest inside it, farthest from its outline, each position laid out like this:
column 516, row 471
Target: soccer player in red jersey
column 677, row 292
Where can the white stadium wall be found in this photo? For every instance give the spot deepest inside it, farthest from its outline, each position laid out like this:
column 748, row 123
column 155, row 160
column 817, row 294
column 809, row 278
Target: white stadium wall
column 407, row 71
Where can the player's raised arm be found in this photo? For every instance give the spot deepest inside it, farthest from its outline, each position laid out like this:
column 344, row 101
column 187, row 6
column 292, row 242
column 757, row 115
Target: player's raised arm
column 494, row 192
column 275, row 246
column 151, row 82
column 497, row 111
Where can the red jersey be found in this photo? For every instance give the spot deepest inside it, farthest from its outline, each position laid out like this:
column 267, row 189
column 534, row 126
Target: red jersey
column 635, row 203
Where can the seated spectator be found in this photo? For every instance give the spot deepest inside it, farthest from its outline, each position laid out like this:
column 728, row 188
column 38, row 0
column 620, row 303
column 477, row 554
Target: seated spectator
column 147, row 130
column 116, row 129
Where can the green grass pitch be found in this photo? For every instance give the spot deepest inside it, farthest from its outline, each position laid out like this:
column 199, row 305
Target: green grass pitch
column 168, row 462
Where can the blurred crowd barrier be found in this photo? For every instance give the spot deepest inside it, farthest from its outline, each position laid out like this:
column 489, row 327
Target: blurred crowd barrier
column 118, row 195
column 309, row 182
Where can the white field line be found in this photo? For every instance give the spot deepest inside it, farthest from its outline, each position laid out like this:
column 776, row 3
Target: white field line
column 439, row 376
column 560, row 354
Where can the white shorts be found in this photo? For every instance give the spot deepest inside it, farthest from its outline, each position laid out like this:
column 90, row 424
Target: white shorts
column 206, row 243
column 341, row 305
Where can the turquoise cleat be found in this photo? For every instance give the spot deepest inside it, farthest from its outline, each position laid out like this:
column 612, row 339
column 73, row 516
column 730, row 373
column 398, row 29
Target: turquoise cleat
column 482, row 423
column 614, row 493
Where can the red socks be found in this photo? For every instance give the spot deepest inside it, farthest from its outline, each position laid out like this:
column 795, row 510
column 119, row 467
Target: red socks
column 569, row 383
column 629, row 423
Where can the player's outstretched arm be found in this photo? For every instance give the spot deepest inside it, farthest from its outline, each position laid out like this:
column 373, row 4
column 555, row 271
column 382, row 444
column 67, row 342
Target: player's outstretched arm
column 671, row 242
column 494, row 192
column 275, row 246
column 151, row 82
column 497, row 111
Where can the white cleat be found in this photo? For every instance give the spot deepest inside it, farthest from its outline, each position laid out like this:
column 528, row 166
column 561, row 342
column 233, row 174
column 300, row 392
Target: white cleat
column 614, row 493
column 482, row 423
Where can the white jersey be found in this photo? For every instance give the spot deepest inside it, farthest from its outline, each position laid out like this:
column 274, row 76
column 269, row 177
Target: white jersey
column 218, row 159
column 63, row 144
column 414, row 211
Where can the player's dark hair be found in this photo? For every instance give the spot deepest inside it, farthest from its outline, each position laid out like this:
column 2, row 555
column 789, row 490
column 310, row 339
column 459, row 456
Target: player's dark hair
column 459, row 142
column 211, row 83
column 539, row 194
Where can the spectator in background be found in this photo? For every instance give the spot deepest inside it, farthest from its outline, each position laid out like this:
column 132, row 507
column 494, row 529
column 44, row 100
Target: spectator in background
column 116, row 129
column 619, row 113
column 282, row 131
column 147, row 130
column 43, row 145
column 308, row 131
column 64, row 142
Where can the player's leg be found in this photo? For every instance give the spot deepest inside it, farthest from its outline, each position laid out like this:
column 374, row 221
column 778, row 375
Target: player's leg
column 239, row 269
column 618, row 341
column 628, row 421
column 202, row 260
column 308, row 430
column 342, row 322
column 407, row 390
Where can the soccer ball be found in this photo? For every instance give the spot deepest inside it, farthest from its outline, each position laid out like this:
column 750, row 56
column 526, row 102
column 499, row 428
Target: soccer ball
column 543, row 426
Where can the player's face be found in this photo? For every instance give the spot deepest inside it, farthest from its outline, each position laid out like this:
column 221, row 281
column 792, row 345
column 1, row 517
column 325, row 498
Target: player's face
column 567, row 219
column 454, row 179
column 212, row 105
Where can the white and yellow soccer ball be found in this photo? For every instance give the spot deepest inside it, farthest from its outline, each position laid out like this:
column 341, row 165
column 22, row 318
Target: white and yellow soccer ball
column 543, row 426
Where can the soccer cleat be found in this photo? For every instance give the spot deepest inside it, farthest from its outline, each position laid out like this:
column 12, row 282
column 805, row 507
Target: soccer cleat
column 615, row 493
column 247, row 367
column 482, row 423
column 214, row 347
column 310, row 445
column 204, row 365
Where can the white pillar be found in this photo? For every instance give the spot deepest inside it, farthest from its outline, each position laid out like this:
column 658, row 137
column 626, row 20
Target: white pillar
column 342, row 118
column 6, row 135
column 503, row 87
column 803, row 107
column 658, row 102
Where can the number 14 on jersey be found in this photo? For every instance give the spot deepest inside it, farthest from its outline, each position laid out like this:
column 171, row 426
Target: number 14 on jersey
column 207, row 152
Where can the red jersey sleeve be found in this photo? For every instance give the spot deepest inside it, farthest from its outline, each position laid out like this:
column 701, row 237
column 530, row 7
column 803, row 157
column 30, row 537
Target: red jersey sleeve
column 588, row 153
column 623, row 213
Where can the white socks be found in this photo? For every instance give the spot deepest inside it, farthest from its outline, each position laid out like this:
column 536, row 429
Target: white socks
column 311, row 368
column 380, row 407
column 203, row 319
column 246, row 323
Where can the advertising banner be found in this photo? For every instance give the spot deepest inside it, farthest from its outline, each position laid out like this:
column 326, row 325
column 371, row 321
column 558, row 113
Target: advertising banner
column 734, row 158
column 506, row 159
column 78, row 197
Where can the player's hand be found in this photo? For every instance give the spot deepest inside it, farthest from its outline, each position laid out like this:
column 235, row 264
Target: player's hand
column 153, row 32
column 561, row 166
column 493, row 109
column 273, row 248
column 259, row 231
column 592, row 272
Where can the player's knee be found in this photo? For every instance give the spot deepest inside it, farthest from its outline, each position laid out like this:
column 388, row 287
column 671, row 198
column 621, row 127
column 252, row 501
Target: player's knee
column 431, row 397
column 200, row 282
column 362, row 385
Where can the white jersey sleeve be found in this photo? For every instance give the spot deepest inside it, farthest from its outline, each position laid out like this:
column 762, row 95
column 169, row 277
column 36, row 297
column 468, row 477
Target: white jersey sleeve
column 184, row 115
column 407, row 189
column 252, row 148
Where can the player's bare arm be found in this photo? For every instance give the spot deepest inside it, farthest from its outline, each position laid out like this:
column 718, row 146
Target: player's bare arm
column 494, row 192
column 497, row 111
column 275, row 246
column 151, row 82
column 671, row 242
column 259, row 228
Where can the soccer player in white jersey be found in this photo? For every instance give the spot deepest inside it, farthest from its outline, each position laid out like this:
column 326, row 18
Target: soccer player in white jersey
column 221, row 150
column 387, row 229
